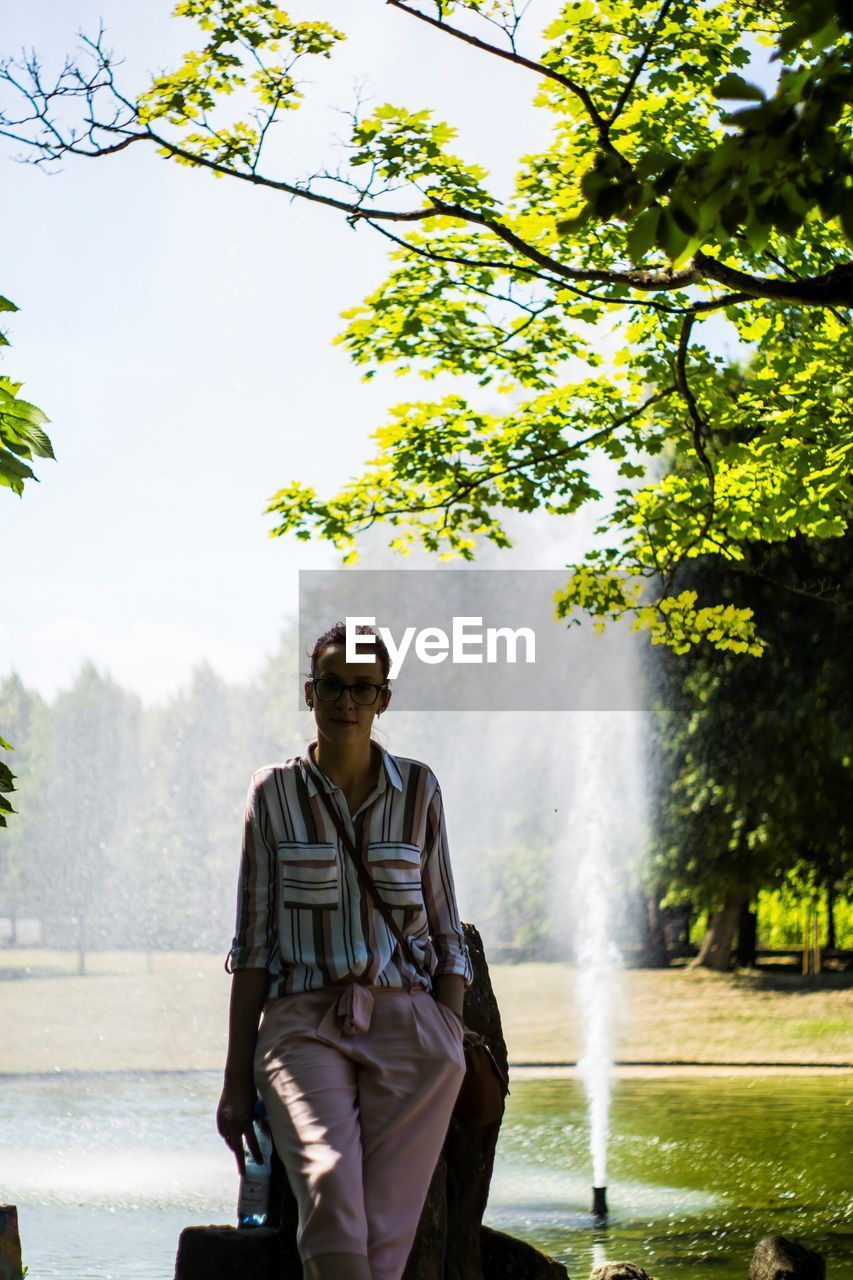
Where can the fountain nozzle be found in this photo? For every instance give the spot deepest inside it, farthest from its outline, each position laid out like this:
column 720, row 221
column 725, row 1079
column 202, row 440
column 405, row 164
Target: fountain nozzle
column 599, row 1202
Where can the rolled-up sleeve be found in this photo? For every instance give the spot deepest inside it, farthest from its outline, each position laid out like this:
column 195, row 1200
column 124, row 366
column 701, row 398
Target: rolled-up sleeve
column 445, row 926
column 255, row 930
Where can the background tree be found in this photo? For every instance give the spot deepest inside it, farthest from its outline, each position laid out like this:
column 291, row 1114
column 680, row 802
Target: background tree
column 182, row 851
column 754, row 766
column 191, row 792
column 154, row 866
column 651, row 210
column 90, row 768
column 516, row 882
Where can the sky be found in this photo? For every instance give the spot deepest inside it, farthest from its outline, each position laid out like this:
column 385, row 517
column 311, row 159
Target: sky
column 178, row 331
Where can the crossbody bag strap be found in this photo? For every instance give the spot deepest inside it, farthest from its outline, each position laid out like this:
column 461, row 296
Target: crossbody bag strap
column 367, row 883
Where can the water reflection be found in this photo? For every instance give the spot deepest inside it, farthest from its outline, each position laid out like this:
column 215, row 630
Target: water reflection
column 107, row 1169
column 699, row 1170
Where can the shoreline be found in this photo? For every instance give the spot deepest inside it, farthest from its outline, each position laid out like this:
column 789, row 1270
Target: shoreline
column 517, row 1071
column 649, row 1070
column 127, row 1016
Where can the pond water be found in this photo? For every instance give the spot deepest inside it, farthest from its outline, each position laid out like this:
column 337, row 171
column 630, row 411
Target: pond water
column 699, row 1170
column 106, row 1170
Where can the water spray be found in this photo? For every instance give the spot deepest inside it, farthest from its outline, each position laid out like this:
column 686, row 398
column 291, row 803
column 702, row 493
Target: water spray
column 599, row 838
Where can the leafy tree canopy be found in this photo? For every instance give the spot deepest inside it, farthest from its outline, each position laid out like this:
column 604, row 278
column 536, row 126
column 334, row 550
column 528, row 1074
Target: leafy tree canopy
column 672, row 189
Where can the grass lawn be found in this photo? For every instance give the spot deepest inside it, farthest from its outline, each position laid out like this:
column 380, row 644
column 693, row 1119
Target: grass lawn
column 169, row 1012
column 690, row 1015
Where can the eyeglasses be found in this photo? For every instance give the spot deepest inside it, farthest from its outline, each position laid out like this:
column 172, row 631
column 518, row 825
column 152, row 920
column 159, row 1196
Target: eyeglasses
column 363, row 694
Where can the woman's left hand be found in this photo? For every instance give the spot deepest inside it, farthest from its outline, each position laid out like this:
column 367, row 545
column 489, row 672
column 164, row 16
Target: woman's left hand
column 450, row 990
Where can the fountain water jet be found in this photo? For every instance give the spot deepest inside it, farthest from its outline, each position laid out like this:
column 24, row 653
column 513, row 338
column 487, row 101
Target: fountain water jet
column 603, row 822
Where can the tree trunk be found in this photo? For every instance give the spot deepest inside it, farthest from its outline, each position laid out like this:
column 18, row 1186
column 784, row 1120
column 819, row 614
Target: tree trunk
column 654, row 947
column 830, row 915
column 747, row 936
column 716, row 949
column 81, row 949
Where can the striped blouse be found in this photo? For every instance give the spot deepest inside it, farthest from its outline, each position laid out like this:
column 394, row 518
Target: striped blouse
column 301, row 911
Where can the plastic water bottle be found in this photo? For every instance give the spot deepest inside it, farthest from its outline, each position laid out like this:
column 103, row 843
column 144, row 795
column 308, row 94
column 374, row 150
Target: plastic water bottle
column 254, row 1198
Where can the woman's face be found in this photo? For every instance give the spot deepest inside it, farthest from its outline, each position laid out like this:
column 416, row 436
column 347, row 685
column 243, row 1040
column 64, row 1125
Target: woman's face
column 344, row 720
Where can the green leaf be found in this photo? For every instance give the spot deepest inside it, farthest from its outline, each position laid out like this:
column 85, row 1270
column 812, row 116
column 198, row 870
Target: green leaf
column 609, row 201
column 686, row 218
column 670, row 237
column 568, row 226
column 642, row 233
column 652, row 162
column 13, row 471
column 13, row 408
column 592, row 182
column 24, row 440
column 847, row 216
column 734, row 86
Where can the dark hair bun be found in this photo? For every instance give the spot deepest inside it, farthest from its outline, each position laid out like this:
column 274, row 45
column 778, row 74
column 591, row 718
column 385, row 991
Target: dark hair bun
column 338, row 635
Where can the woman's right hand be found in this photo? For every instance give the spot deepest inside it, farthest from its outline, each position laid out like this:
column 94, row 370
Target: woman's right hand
column 234, row 1113
column 235, row 1122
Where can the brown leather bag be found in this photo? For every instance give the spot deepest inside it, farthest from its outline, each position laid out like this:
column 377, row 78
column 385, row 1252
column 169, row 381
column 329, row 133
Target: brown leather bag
column 484, row 1087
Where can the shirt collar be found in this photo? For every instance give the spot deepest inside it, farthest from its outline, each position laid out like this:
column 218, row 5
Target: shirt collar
column 314, row 775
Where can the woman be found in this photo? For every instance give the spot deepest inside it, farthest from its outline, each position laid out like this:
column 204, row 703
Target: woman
column 358, row 1065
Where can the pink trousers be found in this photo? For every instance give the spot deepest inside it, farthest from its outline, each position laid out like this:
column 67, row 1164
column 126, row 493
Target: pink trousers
column 359, row 1084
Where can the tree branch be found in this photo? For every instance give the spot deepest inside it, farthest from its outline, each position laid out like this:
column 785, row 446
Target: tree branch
column 834, row 286
column 640, row 63
column 818, row 592
column 511, row 268
column 700, row 426
column 601, row 125
column 464, row 488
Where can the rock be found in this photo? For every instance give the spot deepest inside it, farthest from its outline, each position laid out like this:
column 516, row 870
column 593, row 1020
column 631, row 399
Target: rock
column 505, row 1258
column 470, row 1150
column 224, row 1253
column 619, row 1271
column 10, row 1243
column 776, row 1258
column 284, row 1217
column 426, row 1261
